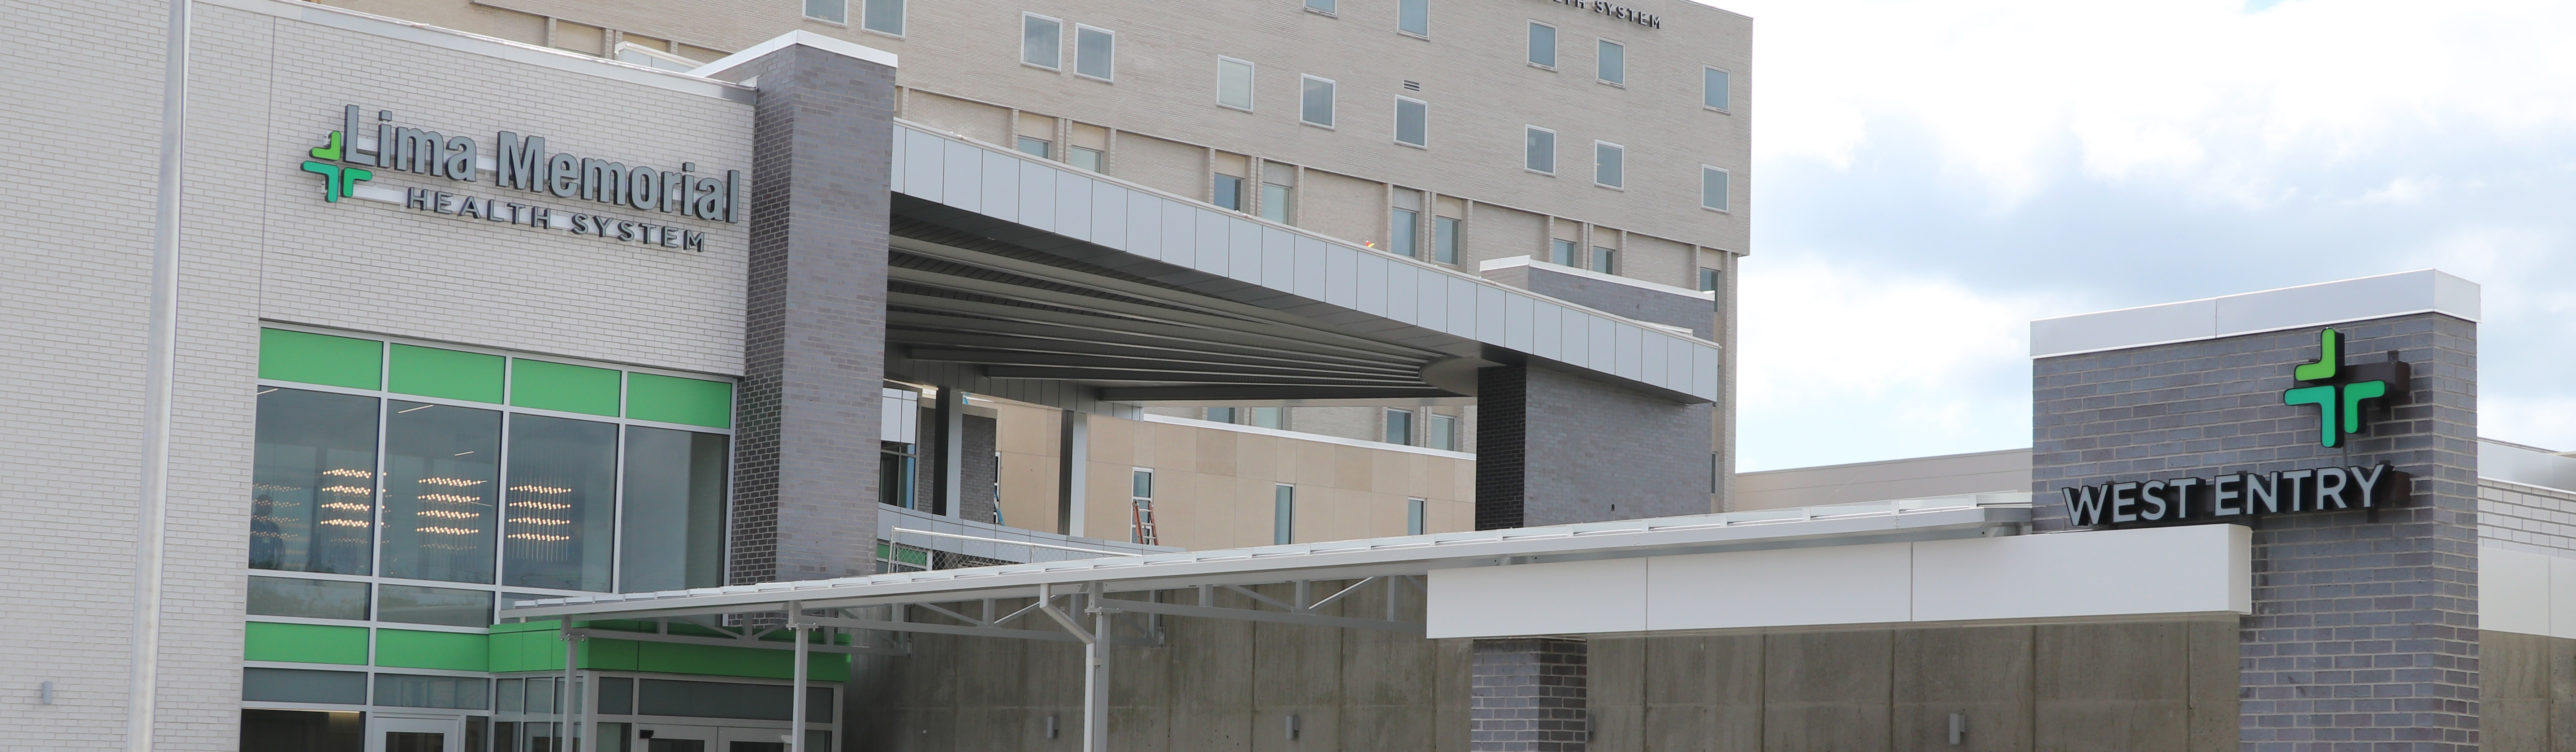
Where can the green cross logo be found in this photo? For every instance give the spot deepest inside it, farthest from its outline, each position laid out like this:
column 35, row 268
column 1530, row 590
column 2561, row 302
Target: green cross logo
column 2339, row 399
column 337, row 180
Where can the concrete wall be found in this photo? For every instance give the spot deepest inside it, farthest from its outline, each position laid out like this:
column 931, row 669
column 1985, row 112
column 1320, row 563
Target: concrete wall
column 1224, row 685
column 2528, row 699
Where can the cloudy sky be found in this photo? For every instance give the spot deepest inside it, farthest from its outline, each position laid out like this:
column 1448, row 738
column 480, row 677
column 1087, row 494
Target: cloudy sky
column 1930, row 175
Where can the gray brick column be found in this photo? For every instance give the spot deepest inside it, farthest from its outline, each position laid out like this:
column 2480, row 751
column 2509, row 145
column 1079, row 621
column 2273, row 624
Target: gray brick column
column 805, row 478
column 1529, row 695
column 2365, row 631
column 979, row 468
column 1553, row 449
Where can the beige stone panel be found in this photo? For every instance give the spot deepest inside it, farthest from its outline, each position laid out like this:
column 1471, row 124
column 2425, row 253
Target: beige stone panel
column 1354, row 468
column 1228, row 163
column 1108, row 511
column 1169, row 166
column 1088, row 136
column 512, row 25
column 1254, row 527
column 662, row 45
column 1342, row 206
column 1113, row 440
column 702, row 54
column 1037, row 126
column 975, row 120
column 1217, row 451
column 1495, row 232
column 582, row 38
column 1660, row 261
column 1257, row 456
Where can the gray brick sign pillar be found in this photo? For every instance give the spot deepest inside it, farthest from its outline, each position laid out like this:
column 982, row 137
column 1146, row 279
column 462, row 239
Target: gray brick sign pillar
column 1554, row 449
column 805, row 474
column 1529, row 695
column 2364, row 630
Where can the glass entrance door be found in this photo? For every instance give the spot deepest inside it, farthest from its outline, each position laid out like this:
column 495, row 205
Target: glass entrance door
column 738, row 739
column 399, row 734
column 671, row 738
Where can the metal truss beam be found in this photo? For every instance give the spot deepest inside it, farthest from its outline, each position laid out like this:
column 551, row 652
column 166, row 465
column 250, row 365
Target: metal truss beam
column 610, row 634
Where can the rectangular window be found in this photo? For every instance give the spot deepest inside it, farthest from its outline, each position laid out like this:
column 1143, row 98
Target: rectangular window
column 1542, row 150
column 1141, row 521
column 1413, row 516
column 1413, row 17
column 895, row 462
column 1320, row 6
column 1270, row 417
column 287, row 730
column 1444, row 433
column 1563, row 252
column 1542, row 45
column 1088, row 159
column 675, row 510
column 1708, row 279
column 1095, row 52
column 1229, row 192
column 311, row 599
column 452, row 607
column 1609, row 164
column 1712, row 90
column 442, row 492
column 1036, row 147
column 1234, row 83
column 835, row 11
column 313, row 482
column 883, row 16
column 1412, row 122
column 456, row 692
column 562, row 512
column 1605, row 260
column 1399, row 427
column 1712, row 187
column 293, row 685
column 1613, row 63
column 1220, row 415
column 1283, row 514
column 1402, row 228
column 1041, row 41
column 1318, row 102
column 1274, row 202
column 1444, row 239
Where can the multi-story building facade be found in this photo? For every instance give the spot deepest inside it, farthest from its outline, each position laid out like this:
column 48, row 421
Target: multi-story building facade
column 1608, row 144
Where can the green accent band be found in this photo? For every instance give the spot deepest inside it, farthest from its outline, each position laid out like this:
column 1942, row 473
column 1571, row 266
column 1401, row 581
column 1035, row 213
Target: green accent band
column 304, row 643
column 452, row 374
column 2330, row 344
column 321, row 359
column 453, row 651
column 2353, row 394
column 2324, row 398
column 668, row 399
column 564, row 387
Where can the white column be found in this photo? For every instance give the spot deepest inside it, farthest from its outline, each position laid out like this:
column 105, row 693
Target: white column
column 1095, row 676
column 796, row 713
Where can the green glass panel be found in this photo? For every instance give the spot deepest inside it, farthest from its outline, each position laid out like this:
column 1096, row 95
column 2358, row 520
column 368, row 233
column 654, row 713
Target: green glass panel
column 666, row 399
column 320, row 359
column 452, row 374
column 304, row 643
column 558, row 386
column 454, row 651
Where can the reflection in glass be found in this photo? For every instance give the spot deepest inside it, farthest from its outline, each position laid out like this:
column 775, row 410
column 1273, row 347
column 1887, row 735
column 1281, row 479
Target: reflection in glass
column 311, row 599
column 452, row 607
column 313, row 482
column 442, row 477
column 562, row 503
column 675, row 499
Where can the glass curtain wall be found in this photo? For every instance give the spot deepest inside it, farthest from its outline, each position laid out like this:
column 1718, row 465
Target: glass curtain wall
column 675, row 502
column 562, row 503
column 442, row 481
column 313, row 482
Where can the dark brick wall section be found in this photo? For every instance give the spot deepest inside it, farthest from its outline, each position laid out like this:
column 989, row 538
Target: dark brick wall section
column 1559, row 449
column 1699, row 315
column 2365, row 632
column 806, row 470
column 1502, row 441
column 1529, row 695
column 979, row 470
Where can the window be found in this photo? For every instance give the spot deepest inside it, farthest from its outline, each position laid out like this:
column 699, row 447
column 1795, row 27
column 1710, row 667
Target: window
column 1712, row 90
column 1709, row 279
column 1542, row 150
column 1712, row 188
column 1413, row 516
column 1562, row 252
column 1088, row 159
column 293, row 685
column 1320, row 6
column 674, row 533
column 1041, row 41
column 1274, row 207
column 1234, row 83
column 1141, row 522
column 1403, row 227
column 442, row 470
column 1037, row 147
column 1095, row 52
column 454, row 607
column 561, row 511
column 1399, row 427
column 1270, row 417
column 1613, row 63
column 1605, row 260
column 1413, row 17
column 1220, row 415
column 1229, row 192
column 895, row 463
column 835, row 11
column 455, row 692
column 313, row 482
column 1283, row 514
column 1444, row 240
column 1443, row 434
column 1542, row 45
column 1412, row 122
column 883, row 16
column 311, row 599
column 1609, row 163
column 1318, row 102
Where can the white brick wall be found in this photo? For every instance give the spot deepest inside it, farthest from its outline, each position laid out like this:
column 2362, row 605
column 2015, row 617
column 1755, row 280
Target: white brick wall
column 259, row 243
column 2532, row 519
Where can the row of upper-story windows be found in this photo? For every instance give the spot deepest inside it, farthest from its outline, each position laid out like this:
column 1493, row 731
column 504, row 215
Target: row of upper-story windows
column 1610, row 166
column 1610, row 65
